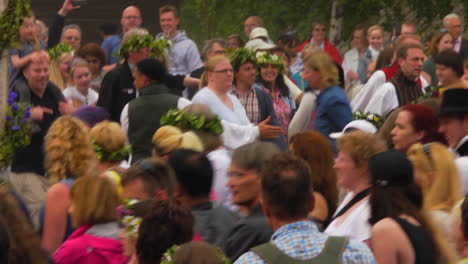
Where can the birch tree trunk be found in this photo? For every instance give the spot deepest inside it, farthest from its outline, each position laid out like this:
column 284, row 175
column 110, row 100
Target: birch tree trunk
column 336, row 24
column 3, row 75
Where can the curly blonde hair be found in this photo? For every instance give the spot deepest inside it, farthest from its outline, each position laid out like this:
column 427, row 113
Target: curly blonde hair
column 361, row 146
column 68, row 149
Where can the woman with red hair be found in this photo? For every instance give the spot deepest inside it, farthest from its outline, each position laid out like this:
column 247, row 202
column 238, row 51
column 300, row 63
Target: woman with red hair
column 416, row 123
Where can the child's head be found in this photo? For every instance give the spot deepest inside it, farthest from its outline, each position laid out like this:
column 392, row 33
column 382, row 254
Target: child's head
column 27, row 31
column 80, row 75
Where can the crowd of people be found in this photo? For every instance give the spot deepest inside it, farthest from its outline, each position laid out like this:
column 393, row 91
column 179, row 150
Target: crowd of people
column 143, row 150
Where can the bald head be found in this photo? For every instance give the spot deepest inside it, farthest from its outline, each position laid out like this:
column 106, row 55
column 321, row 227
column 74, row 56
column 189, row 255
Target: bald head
column 131, row 18
column 251, row 23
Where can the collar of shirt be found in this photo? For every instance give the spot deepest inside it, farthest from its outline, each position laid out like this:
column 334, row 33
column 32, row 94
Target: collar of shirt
column 295, row 227
column 462, row 141
column 237, row 94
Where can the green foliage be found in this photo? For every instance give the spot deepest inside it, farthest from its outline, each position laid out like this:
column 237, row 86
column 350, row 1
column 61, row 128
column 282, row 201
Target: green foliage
column 115, row 156
column 241, row 56
column 11, row 20
column 183, row 120
column 207, row 19
column 375, row 119
column 137, row 42
column 59, row 49
column 17, row 130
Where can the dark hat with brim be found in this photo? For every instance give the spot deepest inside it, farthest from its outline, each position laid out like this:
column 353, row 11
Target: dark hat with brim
column 391, row 168
column 454, row 101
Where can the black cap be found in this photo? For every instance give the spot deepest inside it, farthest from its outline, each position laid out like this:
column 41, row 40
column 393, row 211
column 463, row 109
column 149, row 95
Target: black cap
column 454, row 101
column 153, row 69
column 391, row 168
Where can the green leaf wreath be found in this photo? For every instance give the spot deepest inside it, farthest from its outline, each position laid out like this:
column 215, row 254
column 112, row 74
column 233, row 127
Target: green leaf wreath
column 17, row 130
column 265, row 58
column 11, row 20
column 137, row 42
column 59, row 49
column 115, row 156
column 183, row 120
column 241, row 56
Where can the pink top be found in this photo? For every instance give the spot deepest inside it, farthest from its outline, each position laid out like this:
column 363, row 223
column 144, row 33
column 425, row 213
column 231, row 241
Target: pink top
column 86, row 248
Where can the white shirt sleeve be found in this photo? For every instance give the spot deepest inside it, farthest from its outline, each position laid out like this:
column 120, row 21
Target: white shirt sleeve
column 124, row 119
column 383, row 101
column 293, row 89
column 301, row 120
column 362, row 99
column 183, row 102
column 235, row 135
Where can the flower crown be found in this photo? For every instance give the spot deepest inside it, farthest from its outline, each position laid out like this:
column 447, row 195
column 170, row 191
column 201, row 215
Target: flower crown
column 181, row 119
column 264, row 57
column 128, row 218
column 168, row 257
column 115, row 156
column 137, row 42
column 59, row 49
column 241, row 56
column 375, row 119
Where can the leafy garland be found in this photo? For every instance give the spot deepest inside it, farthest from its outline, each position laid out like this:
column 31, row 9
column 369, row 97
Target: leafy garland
column 375, row 119
column 136, row 42
column 264, row 57
column 115, row 156
column 11, row 20
column 241, row 56
column 59, row 49
column 17, row 130
column 181, row 119
column 168, row 257
column 128, row 218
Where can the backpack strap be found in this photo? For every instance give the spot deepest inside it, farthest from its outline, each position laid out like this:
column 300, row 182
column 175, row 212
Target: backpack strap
column 269, row 253
column 333, row 250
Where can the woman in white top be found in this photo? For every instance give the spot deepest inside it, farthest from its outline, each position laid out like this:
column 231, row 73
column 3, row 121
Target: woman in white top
column 219, row 76
column 81, row 93
column 351, row 217
column 351, row 57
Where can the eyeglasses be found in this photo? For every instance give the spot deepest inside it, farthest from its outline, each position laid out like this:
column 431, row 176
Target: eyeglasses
column 224, row 71
column 131, row 17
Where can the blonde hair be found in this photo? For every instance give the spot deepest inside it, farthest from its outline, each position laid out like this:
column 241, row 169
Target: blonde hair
column 95, row 200
column 54, row 71
column 108, row 135
column 321, row 62
column 361, row 146
column 375, row 27
column 441, row 182
column 169, row 138
column 78, row 64
column 68, row 149
column 210, row 65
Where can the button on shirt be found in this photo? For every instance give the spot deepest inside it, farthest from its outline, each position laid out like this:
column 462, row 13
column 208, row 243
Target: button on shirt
column 302, row 240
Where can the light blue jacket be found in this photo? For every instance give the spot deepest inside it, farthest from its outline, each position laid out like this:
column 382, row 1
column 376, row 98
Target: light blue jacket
column 183, row 56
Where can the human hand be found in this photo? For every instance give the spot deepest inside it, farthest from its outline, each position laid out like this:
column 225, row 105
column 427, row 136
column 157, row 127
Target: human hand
column 66, row 108
column 267, row 131
column 37, row 113
column 67, row 7
column 351, row 75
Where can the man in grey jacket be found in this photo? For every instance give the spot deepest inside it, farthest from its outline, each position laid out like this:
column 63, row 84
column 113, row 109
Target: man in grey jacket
column 183, row 55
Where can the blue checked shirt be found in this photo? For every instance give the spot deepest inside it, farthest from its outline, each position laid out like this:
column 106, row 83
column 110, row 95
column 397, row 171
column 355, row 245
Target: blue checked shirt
column 302, row 240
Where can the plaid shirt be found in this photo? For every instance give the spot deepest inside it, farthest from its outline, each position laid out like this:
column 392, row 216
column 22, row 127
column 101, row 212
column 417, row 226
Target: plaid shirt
column 302, row 241
column 250, row 103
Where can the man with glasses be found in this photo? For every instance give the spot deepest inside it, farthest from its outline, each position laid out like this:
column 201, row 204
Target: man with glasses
column 318, row 38
column 131, row 18
column 71, row 35
column 453, row 23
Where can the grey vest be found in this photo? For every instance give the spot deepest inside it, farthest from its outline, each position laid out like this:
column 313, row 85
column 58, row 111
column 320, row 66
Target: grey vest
column 144, row 114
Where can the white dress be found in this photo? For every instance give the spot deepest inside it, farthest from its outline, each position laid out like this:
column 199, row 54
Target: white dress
column 356, row 225
column 220, row 161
